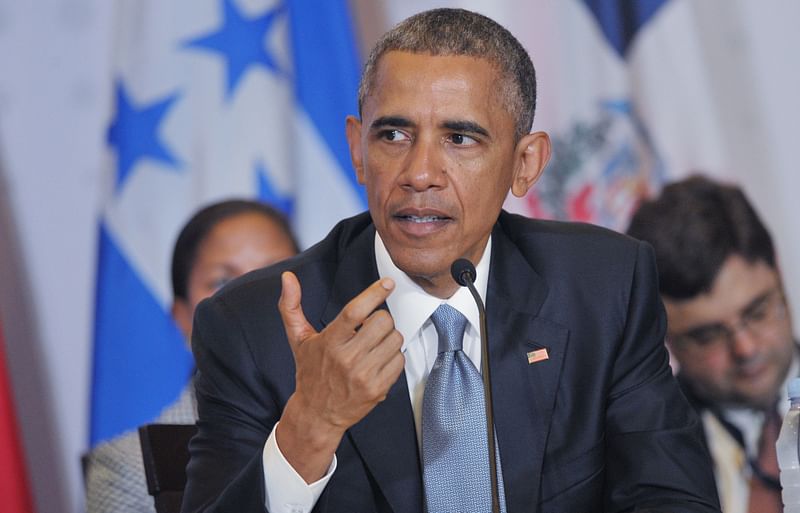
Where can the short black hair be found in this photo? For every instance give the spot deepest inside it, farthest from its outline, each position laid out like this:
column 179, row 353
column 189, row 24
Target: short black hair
column 200, row 225
column 694, row 226
column 458, row 32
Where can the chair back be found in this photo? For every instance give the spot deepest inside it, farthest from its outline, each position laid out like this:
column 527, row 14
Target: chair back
column 165, row 451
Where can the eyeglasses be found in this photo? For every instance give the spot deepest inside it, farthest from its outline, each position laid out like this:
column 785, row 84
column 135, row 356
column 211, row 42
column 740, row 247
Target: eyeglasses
column 760, row 318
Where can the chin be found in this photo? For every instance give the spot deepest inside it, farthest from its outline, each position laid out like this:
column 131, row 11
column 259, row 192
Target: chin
column 419, row 262
column 762, row 398
column 420, row 271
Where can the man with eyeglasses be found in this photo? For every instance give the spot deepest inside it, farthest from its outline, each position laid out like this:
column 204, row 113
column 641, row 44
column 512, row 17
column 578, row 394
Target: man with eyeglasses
column 728, row 328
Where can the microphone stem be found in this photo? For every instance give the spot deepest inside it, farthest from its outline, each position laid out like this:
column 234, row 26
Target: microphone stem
column 487, row 397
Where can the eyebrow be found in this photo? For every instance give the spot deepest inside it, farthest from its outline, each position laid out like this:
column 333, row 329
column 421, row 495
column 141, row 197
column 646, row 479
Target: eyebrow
column 462, row 126
column 385, row 121
column 469, row 127
column 749, row 308
column 756, row 303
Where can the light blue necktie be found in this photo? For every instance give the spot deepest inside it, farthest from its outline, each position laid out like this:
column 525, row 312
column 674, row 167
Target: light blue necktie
column 454, row 452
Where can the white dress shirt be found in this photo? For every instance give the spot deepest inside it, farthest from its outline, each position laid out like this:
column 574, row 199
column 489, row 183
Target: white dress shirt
column 411, row 308
column 731, row 469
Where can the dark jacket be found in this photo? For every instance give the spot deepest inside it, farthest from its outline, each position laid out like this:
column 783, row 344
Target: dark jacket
column 599, row 426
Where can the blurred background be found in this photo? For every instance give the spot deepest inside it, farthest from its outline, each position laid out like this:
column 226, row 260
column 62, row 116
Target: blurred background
column 119, row 118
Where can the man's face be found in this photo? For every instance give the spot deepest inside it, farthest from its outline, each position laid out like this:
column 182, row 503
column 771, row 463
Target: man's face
column 233, row 247
column 435, row 149
column 748, row 366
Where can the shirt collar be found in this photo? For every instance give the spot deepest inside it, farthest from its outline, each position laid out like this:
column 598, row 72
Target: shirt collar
column 749, row 421
column 411, row 306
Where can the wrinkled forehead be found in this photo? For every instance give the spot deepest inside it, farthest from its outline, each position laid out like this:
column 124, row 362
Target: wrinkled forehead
column 403, row 76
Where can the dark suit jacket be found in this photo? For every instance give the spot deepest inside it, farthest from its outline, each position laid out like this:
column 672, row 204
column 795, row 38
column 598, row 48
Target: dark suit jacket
column 599, row 426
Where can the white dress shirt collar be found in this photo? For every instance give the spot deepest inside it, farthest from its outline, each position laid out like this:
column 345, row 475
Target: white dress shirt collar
column 411, row 306
column 749, row 421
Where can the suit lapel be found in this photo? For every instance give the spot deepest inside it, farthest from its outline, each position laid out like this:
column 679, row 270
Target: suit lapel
column 385, row 439
column 523, row 393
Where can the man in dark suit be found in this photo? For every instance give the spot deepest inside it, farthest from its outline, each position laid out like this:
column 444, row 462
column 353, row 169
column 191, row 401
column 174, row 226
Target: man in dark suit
column 323, row 403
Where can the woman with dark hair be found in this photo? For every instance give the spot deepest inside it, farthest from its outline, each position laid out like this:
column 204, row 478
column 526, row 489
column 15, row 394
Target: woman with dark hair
column 219, row 243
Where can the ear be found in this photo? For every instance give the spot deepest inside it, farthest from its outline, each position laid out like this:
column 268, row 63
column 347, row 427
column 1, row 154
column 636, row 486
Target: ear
column 353, row 132
column 532, row 153
column 183, row 314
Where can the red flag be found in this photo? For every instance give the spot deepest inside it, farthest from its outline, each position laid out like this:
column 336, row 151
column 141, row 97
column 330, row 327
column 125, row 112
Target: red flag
column 14, row 491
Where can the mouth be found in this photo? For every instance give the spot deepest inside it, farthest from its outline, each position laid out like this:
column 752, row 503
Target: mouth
column 422, row 219
column 753, row 369
column 421, row 222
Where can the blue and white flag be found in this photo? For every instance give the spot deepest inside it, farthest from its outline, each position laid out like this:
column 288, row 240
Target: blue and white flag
column 213, row 99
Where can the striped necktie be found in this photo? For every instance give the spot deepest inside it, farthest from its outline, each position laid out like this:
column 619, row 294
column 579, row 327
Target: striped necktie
column 765, row 493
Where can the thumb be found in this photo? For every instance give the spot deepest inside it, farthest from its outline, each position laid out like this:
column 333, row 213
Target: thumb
column 294, row 320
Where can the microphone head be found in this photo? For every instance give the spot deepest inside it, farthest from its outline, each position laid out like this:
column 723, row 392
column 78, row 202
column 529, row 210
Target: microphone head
column 463, row 271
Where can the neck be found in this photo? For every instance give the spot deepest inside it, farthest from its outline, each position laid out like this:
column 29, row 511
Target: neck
column 442, row 287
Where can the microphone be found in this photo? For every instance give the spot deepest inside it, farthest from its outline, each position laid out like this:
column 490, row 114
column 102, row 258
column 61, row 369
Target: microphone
column 464, row 273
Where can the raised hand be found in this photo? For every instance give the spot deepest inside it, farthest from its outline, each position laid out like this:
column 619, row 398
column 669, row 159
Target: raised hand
column 342, row 373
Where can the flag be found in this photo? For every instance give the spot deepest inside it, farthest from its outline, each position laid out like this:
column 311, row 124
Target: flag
column 604, row 157
column 634, row 95
column 212, row 99
column 538, row 355
column 14, row 490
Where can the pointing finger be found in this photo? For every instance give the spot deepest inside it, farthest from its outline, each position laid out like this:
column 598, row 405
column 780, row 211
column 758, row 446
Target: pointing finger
column 359, row 308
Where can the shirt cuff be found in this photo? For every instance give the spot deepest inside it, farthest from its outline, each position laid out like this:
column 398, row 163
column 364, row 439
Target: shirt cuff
column 286, row 491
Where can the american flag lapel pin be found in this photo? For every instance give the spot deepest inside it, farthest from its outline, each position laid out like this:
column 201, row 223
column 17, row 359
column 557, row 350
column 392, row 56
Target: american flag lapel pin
column 538, row 355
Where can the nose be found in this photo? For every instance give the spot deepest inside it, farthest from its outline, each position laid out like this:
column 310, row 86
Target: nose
column 424, row 166
column 744, row 344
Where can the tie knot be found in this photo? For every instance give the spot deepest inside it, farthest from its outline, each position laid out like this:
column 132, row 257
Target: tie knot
column 450, row 325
